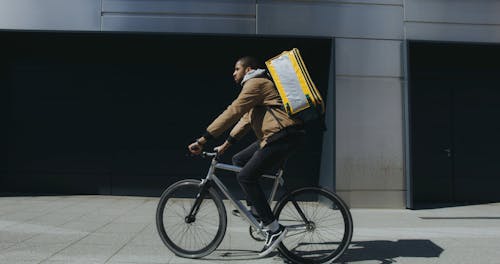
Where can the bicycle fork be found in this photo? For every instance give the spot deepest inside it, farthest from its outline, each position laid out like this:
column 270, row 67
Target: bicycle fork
column 204, row 187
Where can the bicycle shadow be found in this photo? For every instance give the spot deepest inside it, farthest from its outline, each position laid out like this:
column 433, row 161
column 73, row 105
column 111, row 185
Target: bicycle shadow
column 238, row 254
column 386, row 251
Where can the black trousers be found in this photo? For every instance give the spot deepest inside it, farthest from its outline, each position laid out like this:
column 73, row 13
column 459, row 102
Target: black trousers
column 256, row 162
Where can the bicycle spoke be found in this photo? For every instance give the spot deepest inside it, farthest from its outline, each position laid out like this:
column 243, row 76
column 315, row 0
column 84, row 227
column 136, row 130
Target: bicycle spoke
column 196, row 236
column 183, row 237
column 174, row 210
column 325, row 236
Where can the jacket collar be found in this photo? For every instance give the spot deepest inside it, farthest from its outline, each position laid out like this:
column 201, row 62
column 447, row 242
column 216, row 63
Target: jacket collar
column 253, row 74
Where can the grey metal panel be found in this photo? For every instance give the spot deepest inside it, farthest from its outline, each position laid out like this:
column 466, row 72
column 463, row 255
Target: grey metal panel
column 369, row 134
column 50, row 14
column 452, row 32
column 368, row 57
column 185, row 24
column 374, row 198
column 361, row 2
column 232, row 7
column 453, row 11
column 330, row 19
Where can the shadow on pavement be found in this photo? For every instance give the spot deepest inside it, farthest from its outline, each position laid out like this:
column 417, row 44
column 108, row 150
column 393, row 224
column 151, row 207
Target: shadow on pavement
column 386, row 251
column 427, row 206
column 237, row 254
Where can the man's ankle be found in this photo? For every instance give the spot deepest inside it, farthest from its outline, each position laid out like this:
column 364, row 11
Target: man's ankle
column 273, row 226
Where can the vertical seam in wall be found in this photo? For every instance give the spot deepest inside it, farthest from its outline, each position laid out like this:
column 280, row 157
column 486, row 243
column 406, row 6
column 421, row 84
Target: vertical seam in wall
column 327, row 173
column 256, row 17
column 100, row 16
column 333, row 72
column 406, row 126
column 406, row 115
column 404, row 20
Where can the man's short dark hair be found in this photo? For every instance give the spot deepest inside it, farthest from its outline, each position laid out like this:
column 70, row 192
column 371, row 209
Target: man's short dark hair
column 249, row 61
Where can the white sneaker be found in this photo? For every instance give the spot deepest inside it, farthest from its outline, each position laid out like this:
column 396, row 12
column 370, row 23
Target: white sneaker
column 273, row 239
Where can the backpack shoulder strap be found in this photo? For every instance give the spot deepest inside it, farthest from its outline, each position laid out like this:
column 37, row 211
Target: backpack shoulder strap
column 270, row 110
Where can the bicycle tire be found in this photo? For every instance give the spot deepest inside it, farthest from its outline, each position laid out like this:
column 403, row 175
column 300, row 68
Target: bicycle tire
column 330, row 231
column 196, row 239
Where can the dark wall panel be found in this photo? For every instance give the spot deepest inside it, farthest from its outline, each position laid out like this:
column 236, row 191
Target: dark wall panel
column 4, row 117
column 112, row 113
column 455, row 106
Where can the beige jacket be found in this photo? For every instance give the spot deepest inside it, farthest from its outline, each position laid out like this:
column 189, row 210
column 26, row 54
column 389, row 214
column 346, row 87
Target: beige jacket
column 249, row 109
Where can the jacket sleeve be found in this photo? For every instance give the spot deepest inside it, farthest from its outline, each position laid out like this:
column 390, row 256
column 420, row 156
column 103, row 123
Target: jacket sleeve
column 240, row 129
column 249, row 97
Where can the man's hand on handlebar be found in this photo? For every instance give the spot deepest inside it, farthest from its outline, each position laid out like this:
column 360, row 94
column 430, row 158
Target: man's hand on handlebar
column 222, row 148
column 197, row 147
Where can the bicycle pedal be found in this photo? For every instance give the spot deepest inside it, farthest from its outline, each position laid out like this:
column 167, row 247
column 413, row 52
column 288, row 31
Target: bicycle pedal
column 236, row 213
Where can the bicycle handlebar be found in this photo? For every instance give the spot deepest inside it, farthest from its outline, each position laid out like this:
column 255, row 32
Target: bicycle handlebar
column 205, row 154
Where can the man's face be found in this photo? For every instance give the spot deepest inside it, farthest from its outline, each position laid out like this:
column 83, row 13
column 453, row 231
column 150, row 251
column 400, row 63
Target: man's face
column 239, row 72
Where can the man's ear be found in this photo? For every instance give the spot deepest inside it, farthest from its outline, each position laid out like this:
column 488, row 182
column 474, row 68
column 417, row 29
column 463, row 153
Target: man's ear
column 247, row 69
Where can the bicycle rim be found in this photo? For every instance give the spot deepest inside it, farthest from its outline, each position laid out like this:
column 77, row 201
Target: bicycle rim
column 328, row 233
column 198, row 238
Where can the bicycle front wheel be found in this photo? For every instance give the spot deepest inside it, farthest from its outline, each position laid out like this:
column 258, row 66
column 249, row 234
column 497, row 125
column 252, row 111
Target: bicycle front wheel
column 319, row 225
column 190, row 237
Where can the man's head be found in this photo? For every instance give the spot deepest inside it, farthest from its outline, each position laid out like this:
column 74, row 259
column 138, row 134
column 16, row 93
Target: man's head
column 243, row 66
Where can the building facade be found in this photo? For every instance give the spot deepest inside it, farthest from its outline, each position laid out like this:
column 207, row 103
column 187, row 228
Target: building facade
column 367, row 157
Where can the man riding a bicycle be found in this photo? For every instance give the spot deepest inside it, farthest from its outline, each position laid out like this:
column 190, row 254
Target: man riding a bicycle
column 257, row 107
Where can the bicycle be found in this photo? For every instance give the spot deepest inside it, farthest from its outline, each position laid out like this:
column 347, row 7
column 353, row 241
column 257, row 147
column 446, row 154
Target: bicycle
column 191, row 218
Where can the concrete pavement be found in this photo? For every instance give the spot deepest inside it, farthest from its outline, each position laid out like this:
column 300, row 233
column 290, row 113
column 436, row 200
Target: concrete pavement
column 121, row 230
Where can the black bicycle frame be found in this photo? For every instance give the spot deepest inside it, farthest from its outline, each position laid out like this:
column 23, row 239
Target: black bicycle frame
column 204, row 187
column 295, row 204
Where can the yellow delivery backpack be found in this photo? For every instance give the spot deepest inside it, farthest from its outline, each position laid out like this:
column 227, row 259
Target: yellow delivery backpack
column 300, row 97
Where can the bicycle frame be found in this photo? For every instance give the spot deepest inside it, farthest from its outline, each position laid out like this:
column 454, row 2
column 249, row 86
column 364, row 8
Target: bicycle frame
column 211, row 177
column 320, row 221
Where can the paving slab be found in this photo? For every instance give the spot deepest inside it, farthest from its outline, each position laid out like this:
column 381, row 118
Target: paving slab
column 122, row 230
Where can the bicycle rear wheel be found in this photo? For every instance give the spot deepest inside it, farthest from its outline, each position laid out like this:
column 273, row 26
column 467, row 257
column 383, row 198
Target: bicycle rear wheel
column 190, row 238
column 327, row 233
